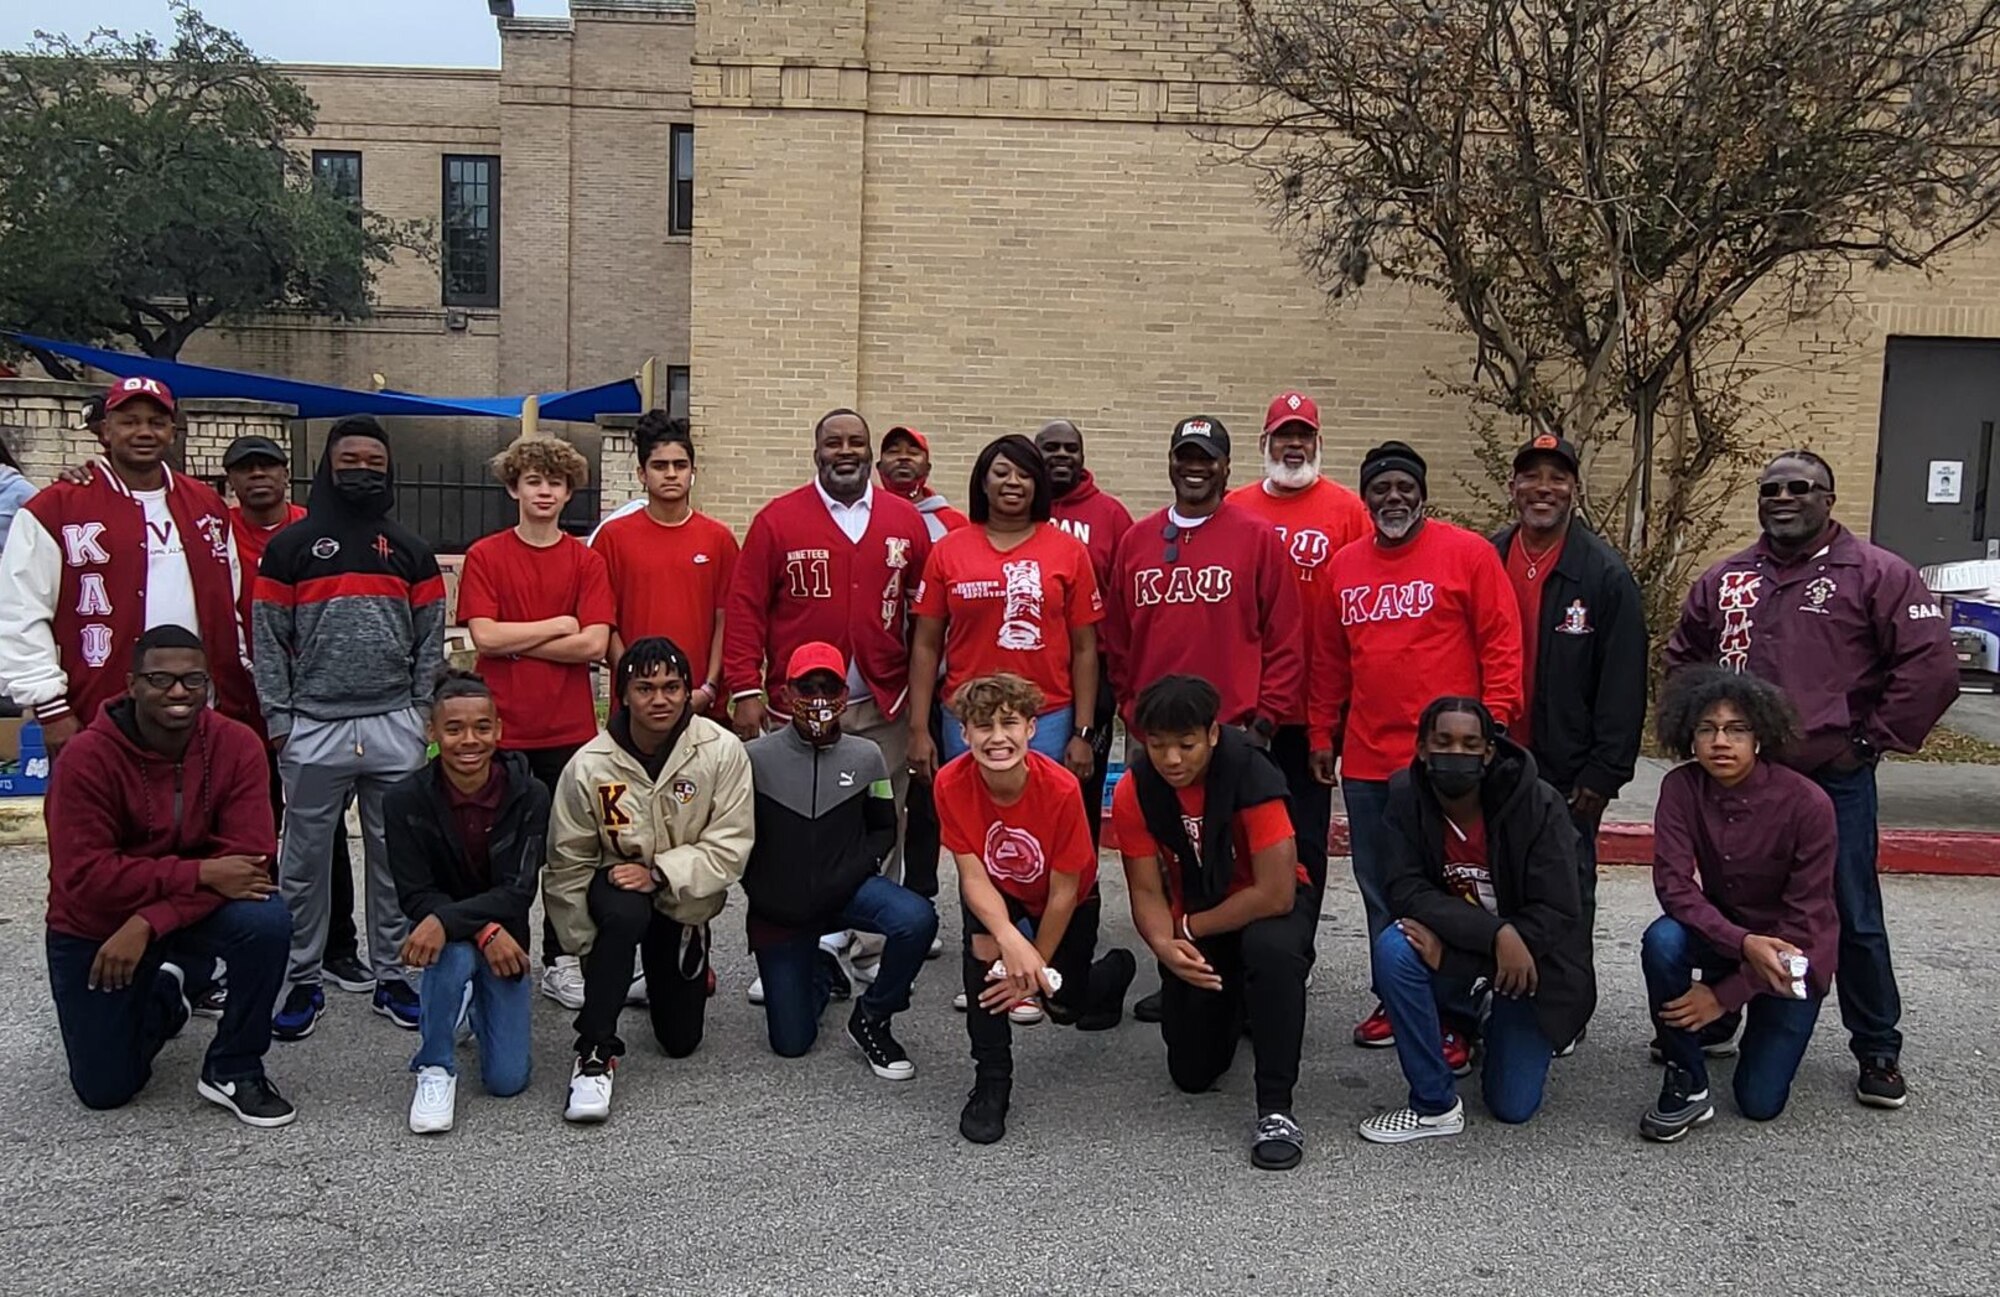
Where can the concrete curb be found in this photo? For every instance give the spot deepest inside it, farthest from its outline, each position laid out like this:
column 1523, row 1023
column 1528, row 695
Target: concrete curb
column 21, row 822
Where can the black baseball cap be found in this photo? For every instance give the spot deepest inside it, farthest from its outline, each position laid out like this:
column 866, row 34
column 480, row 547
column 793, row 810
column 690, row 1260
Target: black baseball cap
column 253, row 447
column 1548, row 443
column 1205, row 433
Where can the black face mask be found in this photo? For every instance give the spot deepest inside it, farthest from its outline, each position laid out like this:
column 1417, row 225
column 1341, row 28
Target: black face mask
column 1454, row 774
column 364, row 488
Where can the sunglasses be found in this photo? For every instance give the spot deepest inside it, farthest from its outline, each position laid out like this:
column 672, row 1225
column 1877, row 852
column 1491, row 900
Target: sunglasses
column 1171, row 534
column 1797, row 486
column 164, row 681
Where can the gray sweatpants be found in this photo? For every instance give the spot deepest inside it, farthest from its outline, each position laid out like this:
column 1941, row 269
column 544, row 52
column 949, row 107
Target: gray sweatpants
column 321, row 763
column 866, row 720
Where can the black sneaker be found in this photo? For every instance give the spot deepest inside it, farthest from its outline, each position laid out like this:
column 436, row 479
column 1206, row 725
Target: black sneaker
column 254, row 1100
column 1279, row 1143
column 397, row 1001
column 1110, row 977
column 1881, row 1084
column 1717, row 1039
column 172, row 972
column 1147, row 1007
column 348, row 973
column 984, row 1120
column 1679, row 1109
column 838, row 985
column 300, row 1013
column 872, row 1037
column 211, row 1003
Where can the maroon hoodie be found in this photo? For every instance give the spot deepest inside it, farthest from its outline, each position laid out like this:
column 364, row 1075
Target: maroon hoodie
column 1849, row 631
column 1096, row 519
column 129, row 828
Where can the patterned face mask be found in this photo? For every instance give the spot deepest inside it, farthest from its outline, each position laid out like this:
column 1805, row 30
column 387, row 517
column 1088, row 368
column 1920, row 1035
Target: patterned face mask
column 818, row 718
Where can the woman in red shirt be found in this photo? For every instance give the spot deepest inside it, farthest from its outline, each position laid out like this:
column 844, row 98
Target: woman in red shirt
column 1012, row 593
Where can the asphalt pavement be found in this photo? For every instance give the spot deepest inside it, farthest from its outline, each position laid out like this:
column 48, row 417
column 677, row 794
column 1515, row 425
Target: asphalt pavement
column 738, row 1172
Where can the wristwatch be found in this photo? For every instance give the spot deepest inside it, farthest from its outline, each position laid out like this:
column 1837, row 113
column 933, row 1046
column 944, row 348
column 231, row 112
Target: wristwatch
column 1088, row 733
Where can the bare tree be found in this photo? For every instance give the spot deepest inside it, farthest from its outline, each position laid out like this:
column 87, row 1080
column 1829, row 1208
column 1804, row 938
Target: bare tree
column 1619, row 198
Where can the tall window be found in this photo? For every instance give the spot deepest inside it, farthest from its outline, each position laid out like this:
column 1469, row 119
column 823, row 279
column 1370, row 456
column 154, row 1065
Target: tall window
column 677, row 390
column 338, row 171
column 680, row 202
column 471, row 230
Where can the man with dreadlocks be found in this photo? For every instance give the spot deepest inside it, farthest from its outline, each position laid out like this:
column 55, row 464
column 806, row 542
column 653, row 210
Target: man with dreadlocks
column 652, row 824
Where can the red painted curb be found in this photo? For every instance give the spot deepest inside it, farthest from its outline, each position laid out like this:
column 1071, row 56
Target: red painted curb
column 1903, row 851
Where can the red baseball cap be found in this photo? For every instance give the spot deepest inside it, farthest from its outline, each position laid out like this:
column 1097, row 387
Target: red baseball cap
column 135, row 388
column 1291, row 407
column 903, row 430
column 816, row 656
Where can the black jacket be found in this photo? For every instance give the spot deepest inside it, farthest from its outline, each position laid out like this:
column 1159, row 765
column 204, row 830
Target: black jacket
column 428, row 860
column 1590, row 666
column 1239, row 777
column 826, row 819
column 1531, row 849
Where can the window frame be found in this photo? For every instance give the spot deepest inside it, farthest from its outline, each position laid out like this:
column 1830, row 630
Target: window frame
column 678, row 377
column 491, row 297
column 680, row 210
column 320, row 178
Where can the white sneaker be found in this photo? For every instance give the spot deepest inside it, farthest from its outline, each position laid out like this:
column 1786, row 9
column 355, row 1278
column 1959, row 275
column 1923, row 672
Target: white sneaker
column 1025, row 1013
column 435, row 1102
column 590, row 1089
column 180, row 982
column 958, row 1001
column 1405, row 1124
column 937, row 948
column 636, row 993
column 562, row 981
column 756, row 991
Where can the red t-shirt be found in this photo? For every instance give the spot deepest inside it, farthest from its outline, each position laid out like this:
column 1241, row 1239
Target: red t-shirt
column 1466, row 871
column 1010, row 610
column 251, row 538
column 542, row 704
column 1528, row 594
column 1019, row 844
column 668, row 580
column 1255, row 829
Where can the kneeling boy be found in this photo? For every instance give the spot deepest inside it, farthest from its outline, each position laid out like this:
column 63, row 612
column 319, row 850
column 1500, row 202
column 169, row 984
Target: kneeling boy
column 465, row 836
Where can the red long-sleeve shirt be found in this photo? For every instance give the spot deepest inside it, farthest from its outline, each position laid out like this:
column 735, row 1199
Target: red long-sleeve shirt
column 129, row 828
column 1226, row 609
column 1406, row 624
column 799, row 579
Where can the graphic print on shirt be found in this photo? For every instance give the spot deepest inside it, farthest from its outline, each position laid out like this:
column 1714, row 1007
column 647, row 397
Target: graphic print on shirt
column 92, row 600
column 95, row 641
column 1737, row 598
column 1152, row 586
column 1575, row 620
column 806, row 574
column 1021, row 624
column 80, row 543
column 1818, row 591
column 1077, row 528
column 896, row 554
column 1310, row 548
column 1390, row 601
column 1014, row 854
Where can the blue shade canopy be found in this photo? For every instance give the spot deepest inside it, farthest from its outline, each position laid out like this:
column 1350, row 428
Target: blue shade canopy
column 318, row 401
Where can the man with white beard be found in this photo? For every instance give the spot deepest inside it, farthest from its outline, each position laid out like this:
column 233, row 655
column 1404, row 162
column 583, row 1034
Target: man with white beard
column 1316, row 517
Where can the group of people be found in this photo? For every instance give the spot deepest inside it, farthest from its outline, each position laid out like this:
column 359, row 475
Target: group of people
column 873, row 679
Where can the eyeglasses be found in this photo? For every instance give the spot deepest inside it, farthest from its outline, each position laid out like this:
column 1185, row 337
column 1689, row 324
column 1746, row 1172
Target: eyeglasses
column 193, row 681
column 1734, row 731
column 1797, row 486
column 1171, row 534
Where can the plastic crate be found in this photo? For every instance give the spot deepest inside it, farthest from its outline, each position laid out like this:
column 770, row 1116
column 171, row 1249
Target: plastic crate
column 27, row 773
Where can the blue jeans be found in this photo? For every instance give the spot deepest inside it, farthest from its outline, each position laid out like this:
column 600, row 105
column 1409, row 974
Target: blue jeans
column 1775, row 1034
column 1870, row 1004
column 1514, row 1055
column 500, row 1016
column 1052, row 734
column 796, row 984
column 1368, row 844
column 112, row 1037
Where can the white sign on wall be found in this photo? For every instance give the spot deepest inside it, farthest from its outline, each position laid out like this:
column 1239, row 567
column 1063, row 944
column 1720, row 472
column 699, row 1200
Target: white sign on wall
column 1947, row 482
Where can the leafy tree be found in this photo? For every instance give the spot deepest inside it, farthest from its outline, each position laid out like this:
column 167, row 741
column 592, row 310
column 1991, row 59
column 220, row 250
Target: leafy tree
column 147, row 192
column 1620, row 200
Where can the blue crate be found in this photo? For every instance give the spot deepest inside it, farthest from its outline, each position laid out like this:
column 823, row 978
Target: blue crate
column 1114, row 770
column 28, row 774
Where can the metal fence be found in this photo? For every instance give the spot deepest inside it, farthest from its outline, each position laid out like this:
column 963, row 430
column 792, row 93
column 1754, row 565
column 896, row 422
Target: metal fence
column 451, row 513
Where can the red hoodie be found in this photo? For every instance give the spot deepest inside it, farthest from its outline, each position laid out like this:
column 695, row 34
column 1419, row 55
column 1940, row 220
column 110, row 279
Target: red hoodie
column 1226, row 609
column 1095, row 518
column 129, row 828
column 799, row 579
column 1407, row 624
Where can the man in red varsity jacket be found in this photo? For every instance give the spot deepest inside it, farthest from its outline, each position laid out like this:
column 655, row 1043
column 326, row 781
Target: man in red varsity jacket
column 834, row 561
column 89, row 567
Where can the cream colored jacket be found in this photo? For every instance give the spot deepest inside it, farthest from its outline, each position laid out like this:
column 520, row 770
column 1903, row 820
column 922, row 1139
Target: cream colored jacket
column 694, row 824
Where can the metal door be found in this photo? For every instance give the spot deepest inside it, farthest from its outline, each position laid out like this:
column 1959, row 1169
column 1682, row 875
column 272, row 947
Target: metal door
column 1937, row 478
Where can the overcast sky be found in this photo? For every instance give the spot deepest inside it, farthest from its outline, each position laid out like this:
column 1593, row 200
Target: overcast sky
column 446, row 33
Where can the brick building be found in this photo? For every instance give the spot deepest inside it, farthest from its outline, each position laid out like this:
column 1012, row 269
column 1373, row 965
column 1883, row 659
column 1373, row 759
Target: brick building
column 974, row 216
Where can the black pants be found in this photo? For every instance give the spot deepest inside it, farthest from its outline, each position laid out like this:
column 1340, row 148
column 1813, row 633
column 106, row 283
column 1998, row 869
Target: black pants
column 992, row 1035
column 546, row 765
column 1311, row 802
column 1263, row 969
column 1100, row 756
column 676, row 960
column 921, row 842
column 342, row 942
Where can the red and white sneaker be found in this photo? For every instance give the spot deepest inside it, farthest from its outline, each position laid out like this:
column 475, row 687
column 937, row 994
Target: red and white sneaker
column 1457, row 1054
column 1374, row 1031
column 1025, row 1013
